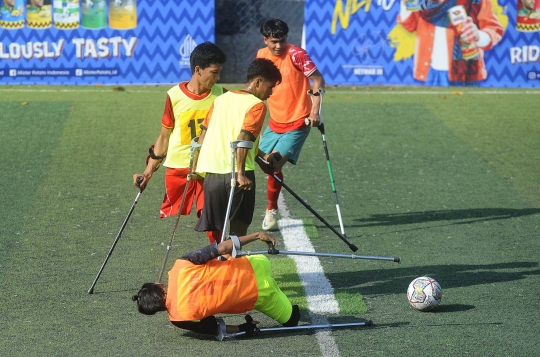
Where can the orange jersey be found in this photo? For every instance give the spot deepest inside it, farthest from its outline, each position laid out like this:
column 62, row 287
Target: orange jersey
column 216, row 287
column 289, row 101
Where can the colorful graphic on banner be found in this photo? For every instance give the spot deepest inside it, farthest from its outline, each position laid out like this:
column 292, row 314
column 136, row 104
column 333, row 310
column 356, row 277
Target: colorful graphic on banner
column 101, row 42
column 488, row 43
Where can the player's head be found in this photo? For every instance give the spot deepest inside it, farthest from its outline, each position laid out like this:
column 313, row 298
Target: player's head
column 206, row 64
column 262, row 77
column 151, row 298
column 37, row 3
column 275, row 33
column 275, row 28
column 10, row 3
column 528, row 4
column 205, row 55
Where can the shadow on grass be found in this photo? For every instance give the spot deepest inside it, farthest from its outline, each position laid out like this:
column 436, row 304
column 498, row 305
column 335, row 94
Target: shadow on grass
column 465, row 216
column 452, row 308
column 395, row 281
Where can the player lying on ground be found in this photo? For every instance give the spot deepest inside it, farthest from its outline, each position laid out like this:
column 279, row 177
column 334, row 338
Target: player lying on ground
column 201, row 286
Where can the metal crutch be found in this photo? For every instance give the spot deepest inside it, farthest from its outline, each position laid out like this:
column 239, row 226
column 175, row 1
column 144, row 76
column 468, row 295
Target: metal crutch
column 139, row 180
column 328, row 164
column 234, row 145
column 193, row 147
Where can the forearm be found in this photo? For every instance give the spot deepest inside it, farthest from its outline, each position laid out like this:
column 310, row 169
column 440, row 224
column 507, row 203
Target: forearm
column 206, row 326
column 226, row 247
column 160, row 149
column 241, row 155
column 318, row 83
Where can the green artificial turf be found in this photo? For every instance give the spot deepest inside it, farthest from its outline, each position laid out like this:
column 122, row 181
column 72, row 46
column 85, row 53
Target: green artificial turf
column 446, row 179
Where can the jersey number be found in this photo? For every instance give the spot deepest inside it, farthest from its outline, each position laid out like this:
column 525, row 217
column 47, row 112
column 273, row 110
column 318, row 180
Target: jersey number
column 194, row 126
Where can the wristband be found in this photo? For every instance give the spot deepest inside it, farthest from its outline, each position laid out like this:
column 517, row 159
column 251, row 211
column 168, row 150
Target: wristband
column 153, row 155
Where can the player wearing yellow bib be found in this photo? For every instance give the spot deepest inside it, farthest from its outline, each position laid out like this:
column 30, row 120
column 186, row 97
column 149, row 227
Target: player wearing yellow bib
column 236, row 115
column 185, row 109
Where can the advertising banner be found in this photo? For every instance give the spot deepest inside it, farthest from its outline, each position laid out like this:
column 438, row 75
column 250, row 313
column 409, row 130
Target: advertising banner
column 101, row 41
column 487, row 43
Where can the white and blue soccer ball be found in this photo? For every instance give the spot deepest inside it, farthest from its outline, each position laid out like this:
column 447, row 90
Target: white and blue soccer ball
column 424, row 293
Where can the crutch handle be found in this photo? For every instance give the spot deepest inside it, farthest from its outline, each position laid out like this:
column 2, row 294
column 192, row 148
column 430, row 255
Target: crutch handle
column 139, row 180
column 272, row 248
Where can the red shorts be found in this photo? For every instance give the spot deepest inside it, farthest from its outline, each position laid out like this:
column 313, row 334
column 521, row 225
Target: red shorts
column 175, row 183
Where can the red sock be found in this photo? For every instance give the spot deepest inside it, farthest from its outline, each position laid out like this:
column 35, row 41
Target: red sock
column 214, row 236
column 274, row 188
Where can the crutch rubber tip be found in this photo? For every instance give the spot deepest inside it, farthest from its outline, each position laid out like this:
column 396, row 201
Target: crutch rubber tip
column 397, row 260
column 90, row 292
column 353, row 247
column 369, row 323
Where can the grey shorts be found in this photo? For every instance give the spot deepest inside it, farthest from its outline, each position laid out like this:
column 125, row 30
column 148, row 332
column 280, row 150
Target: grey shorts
column 217, row 188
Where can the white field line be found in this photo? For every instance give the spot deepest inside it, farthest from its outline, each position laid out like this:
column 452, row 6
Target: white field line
column 319, row 291
column 360, row 91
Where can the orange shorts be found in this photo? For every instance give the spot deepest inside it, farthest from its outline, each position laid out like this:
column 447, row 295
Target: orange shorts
column 175, row 183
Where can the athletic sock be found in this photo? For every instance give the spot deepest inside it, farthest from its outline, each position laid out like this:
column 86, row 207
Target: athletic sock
column 274, row 188
column 214, row 236
column 295, row 317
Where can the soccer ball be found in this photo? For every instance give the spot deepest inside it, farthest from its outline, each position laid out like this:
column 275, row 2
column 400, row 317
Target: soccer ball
column 424, row 293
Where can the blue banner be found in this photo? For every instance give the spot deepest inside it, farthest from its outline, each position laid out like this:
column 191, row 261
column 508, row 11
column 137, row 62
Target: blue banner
column 425, row 42
column 101, row 42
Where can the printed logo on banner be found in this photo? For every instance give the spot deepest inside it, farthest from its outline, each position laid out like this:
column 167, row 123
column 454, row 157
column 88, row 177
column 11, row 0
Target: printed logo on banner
column 368, row 48
column 101, row 41
column 185, row 51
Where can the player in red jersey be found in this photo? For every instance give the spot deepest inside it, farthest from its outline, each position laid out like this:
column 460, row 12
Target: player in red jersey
column 186, row 107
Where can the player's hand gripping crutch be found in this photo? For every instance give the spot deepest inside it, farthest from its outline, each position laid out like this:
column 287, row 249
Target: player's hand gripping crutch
column 193, row 147
column 234, row 145
column 328, row 164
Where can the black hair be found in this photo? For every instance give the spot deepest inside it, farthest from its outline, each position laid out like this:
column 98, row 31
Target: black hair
column 205, row 55
column 150, row 299
column 262, row 67
column 275, row 28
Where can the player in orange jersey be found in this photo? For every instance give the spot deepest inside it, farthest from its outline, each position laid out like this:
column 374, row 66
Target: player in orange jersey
column 289, row 105
column 201, row 286
column 186, row 107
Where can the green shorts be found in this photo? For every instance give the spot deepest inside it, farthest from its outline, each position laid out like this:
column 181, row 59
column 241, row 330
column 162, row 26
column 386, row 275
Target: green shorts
column 288, row 144
column 271, row 301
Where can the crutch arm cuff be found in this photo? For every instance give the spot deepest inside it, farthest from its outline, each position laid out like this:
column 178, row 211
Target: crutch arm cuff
column 236, row 248
column 244, row 144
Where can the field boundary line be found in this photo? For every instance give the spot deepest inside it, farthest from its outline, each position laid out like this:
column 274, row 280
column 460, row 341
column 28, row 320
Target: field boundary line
column 319, row 291
column 360, row 91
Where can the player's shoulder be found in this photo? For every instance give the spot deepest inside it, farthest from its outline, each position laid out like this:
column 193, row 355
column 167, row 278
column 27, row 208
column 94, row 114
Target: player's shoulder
column 295, row 50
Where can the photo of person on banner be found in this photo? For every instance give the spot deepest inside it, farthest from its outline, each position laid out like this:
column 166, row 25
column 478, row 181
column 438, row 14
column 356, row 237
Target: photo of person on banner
column 528, row 15
column 39, row 14
column 451, row 37
column 11, row 14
